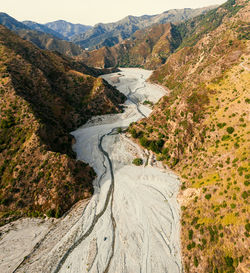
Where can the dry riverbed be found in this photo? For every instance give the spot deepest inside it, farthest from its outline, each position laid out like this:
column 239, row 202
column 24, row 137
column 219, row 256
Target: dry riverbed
column 131, row 224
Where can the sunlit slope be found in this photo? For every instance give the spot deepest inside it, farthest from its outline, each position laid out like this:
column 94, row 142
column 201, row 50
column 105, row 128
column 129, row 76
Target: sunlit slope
column 201, row 130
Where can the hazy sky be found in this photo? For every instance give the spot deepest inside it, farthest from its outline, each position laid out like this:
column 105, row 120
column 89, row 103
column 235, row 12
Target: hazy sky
column 90, row 12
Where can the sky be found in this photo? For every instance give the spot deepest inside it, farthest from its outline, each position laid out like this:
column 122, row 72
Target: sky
column 90, row 12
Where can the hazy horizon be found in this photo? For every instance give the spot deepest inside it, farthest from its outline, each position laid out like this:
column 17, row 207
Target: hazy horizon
column 93, row 12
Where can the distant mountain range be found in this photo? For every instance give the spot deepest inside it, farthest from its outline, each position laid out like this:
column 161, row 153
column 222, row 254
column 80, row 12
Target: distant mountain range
column 41, row 35
column 57, row 35
column 113, row 33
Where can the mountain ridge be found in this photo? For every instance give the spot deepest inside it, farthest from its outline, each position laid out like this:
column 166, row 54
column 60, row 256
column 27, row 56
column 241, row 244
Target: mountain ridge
column 44, row 96
column 40, row 35
column 113, row 33
column 43, row 28
column 148, row 48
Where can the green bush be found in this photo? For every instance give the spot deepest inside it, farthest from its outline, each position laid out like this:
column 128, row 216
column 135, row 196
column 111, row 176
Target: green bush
column 247, row 227
column 229, row 261
column 134, row 133
column 196, row 262
column 225, row 137
column 51, row 213
column 221, row 125
column 208, row 196
column 58, row 213
column 144, row 142
column 190, row 234
column 244, row 195
column 230, row 130
column 137, row 161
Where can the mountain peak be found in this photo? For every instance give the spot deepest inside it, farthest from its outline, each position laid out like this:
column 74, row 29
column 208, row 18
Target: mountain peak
column 67, row 29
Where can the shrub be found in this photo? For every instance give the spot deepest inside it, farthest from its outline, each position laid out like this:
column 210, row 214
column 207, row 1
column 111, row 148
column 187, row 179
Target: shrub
column 190, row 234
column 246, row 183
column 144, row 142
column 208, row 196
column 133, row 133
column 229, row 261
column 244, row 195
column 225, row 137
column 196, row 262
column 165, row 151
column 58, row 213
column 137, row 161
column 204, row 241
column 155, row 146
column 221, row 125
column 247, row 227
column 51, row 213
column 230, row 130
column 175, row 161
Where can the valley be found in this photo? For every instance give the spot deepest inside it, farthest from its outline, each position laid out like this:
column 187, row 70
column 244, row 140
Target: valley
column 103, row 239
column 108, row 167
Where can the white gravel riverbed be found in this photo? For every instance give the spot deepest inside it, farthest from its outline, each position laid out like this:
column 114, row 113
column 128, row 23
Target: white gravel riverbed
column 131, row 224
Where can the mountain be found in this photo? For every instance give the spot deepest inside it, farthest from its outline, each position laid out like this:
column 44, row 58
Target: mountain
column 148, row 48
column 68, row 30
column 43, row 39
column 113, row 33
column 43, row 28
column 44, row 96
column 11, row 23
column 49, row 42
column 201, row 130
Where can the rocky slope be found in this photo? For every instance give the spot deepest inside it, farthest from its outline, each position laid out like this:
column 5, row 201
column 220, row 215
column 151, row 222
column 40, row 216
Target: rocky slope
column 113, row 33
column 68, row 30
column 201, row 130
column 44, row 96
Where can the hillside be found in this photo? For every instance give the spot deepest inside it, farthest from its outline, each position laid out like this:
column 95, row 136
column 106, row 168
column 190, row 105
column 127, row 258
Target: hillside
column 148, row 48
column 44, row 96
column 113, row 33
column 201, row 130
column 66, row 29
